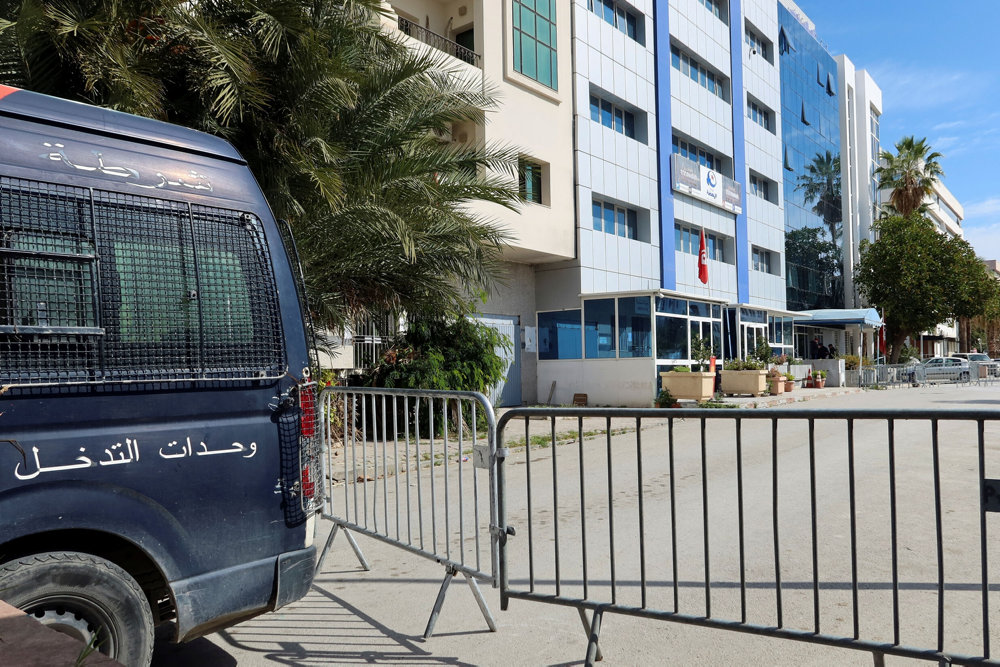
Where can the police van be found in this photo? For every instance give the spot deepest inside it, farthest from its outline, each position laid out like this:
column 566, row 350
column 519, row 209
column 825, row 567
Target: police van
column 158, row 445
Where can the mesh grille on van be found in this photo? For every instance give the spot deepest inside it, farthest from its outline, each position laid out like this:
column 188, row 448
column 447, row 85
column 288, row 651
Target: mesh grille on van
column 110, row 287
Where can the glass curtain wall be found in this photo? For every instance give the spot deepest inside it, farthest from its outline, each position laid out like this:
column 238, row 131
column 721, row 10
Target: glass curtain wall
column 811, row 145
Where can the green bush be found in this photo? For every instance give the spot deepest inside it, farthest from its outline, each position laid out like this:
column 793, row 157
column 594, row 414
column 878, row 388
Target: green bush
column 744, row 365
column 762, row 352
column 852, row 362
column 681, row 369
column 665, row 399
column 701, row 351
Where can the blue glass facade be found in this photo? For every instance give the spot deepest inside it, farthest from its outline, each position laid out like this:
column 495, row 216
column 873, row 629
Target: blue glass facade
column 811, row 158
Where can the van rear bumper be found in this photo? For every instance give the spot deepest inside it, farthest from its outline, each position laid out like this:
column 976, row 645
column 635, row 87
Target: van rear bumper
column 218, row 599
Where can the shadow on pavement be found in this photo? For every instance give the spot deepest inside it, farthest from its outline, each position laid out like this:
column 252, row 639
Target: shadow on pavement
column 320, row 629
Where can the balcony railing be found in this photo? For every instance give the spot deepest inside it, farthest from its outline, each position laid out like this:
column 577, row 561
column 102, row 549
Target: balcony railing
column 439, row 42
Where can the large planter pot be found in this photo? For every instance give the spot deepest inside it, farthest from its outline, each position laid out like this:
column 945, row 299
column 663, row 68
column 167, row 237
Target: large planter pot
column 692, row 386
column 744, row 382
column 776, row 386
column 789, row 385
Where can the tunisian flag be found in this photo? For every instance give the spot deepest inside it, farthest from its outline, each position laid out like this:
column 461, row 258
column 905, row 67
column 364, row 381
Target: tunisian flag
column 702, row 259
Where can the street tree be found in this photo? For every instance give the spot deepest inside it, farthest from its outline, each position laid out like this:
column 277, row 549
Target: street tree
column 909, row 175
column 335, row 116
column 918, row 278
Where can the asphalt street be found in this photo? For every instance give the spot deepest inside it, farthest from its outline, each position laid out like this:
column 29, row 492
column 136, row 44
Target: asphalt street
column 357, row 617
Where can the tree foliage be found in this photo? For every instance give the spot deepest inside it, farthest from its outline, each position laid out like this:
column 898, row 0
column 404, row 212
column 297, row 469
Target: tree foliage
column 457, row 354
column 910, row 175
column 919, row 278
column 335, row 117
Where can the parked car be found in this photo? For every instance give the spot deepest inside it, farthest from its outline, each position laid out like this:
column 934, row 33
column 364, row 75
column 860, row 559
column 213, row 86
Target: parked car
column 947, row 368
column 981, row 359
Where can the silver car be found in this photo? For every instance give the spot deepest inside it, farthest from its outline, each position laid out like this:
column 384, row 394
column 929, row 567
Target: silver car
column 947, row 368
column 981, row 360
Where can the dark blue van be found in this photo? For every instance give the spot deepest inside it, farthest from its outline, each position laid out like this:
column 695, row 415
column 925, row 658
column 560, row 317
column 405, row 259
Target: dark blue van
column 158, row 457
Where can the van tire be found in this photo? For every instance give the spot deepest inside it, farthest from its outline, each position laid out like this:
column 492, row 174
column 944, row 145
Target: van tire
column 85, row 597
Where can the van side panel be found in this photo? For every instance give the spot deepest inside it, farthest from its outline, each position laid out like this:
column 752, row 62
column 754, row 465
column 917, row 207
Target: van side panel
column 200, row 473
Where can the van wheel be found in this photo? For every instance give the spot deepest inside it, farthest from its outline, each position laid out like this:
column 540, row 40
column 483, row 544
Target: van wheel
column 85, row 597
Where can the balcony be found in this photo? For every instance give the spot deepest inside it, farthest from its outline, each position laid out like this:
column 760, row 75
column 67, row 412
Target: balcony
column 439, row 42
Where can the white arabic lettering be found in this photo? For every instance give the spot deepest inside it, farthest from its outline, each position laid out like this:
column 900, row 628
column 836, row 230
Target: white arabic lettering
column 192, row 180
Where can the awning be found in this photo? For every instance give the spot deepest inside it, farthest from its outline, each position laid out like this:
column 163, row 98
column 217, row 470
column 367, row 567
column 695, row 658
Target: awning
column 866, row 317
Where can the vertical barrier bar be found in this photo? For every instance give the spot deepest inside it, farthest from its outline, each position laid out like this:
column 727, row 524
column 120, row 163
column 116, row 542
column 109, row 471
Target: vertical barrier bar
column 385, row 468
column 416, row 450
column 409, row 465
column 739, row 511
column 774, row 518
column 583, row 511
column 812, row 513
column 611, row 512
column 938, row 532
column 447, row 455
column 349, row 483
column 461, row 482
column 982, row 539
column 555, row 505
column 854, row 526
column 673, row 513
column 430, row 473
column 475, row 482
column 642, row 514
column 364, row 459
column 704, row 518
column 531, row 513
column 395, row 457
column 892, row 518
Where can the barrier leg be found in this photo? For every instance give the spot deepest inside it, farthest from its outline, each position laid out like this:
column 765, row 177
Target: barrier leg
column 449, row 574
column 354, row 545
column 586, row 628
column 879, row 659
column 478, row 594
column 595, row 633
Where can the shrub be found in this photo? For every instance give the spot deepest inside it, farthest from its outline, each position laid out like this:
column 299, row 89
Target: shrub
column 665, row 399
column 852, row 362
column 681, row 369
column 762, row 352
column 744, row 365
column 701, row 350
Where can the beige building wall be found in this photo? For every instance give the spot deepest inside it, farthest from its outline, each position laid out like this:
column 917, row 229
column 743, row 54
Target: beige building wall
column 531, row 116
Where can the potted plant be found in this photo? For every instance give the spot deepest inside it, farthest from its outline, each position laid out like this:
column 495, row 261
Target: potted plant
column 666, row 400
column 819, row 379
column 744, row 377
column 682, row 382
column 775, row 381
column 789, row 382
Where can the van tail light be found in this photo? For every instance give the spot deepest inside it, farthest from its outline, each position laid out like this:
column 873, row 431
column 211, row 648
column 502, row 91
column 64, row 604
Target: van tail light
column 307, row 404
column 310, row 450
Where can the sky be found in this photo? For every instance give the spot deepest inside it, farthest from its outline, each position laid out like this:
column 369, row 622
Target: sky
column 938, row 65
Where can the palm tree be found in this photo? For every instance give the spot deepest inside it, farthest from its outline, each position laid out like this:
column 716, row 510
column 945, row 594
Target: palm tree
column 335, row 116
column 910, row 174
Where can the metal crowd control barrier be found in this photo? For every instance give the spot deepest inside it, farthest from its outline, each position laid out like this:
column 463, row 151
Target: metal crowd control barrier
column 887, row 375
column 415, row 469
column 856, row 529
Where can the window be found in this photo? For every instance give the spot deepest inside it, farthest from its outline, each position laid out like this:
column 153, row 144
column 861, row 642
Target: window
column 762, row 260
column 615, row 220
column 183, row 292
column 688, row 66
column 559, row 335
column 688, row 240
column 693, row 152
column 758, row 45
column 714, row 6
column 599, row 328
column 529, row 180
column 635, row 325
column 760, row 187
column 620, row 15
column 612, row 116
column 535, row 40
column 759, row 114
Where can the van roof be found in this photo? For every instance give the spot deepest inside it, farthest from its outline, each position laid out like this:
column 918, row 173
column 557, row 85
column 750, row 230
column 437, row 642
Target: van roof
column 29, row 105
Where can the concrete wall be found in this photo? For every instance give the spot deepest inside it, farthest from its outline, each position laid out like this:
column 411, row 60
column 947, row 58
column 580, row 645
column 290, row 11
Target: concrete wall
column 607, row 382
column 517, row 297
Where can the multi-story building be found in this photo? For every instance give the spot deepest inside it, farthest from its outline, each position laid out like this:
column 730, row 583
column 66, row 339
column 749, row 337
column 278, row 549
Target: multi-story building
column 647, row 126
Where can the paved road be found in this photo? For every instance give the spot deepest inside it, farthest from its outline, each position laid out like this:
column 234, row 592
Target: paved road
column 355, row 617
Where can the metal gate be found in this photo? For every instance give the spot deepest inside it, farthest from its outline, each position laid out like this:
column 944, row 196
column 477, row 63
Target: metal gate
column 415, row 469
column 507, row 392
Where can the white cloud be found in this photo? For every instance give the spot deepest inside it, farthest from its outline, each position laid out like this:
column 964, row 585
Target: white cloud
column 988, row 208
column 985, row 238
column 950, row 125
column 907, row 87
